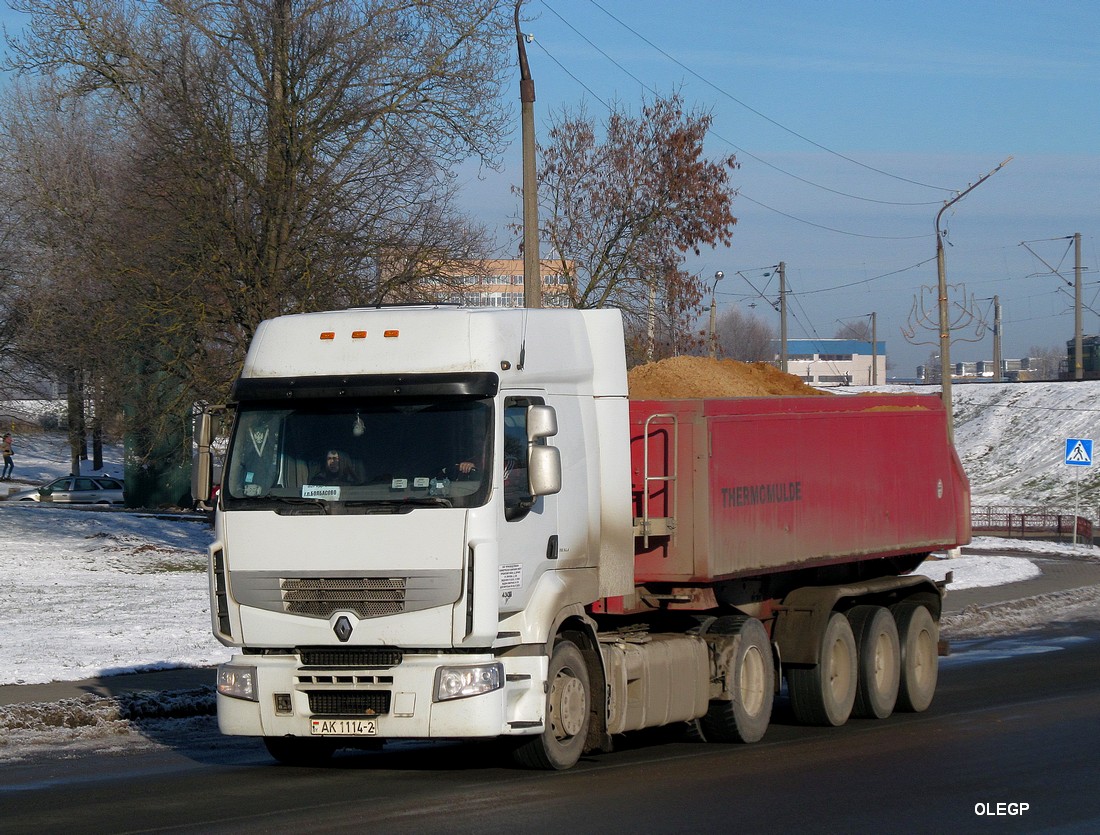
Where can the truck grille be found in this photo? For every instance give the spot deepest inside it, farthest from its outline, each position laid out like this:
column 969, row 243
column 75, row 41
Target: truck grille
column 364, row 594
column 352, row 657
column 367, row 597
column 349, row 702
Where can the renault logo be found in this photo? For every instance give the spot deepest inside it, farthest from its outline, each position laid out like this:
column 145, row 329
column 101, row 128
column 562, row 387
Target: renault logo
column 342, row 628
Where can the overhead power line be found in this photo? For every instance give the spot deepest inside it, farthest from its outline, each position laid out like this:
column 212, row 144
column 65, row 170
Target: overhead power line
column 740, row 193
column 753, row 110
column 714, row 133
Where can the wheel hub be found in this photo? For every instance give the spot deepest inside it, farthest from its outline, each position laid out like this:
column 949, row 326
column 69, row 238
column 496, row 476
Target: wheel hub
column 568, row 706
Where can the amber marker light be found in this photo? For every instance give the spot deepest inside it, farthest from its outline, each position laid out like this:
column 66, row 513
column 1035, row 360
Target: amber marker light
column 358, row 334
column 328, row 334
column 391, row 334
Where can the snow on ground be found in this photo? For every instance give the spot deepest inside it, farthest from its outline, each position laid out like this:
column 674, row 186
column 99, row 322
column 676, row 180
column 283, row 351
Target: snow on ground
column 92, row 591
column 973, row 571
column 87, row 592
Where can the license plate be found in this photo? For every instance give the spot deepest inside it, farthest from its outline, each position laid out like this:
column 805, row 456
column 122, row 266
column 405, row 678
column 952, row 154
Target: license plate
column 343, row 727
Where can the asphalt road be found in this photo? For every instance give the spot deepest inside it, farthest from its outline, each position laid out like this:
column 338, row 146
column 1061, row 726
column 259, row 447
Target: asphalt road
column 1013, row 723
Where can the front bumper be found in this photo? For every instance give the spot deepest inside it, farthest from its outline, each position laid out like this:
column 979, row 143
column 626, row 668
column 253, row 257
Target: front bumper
column 400, row 698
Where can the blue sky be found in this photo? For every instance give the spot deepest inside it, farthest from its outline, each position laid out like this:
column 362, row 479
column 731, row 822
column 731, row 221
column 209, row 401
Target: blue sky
column 899, row 104
column 933, row 94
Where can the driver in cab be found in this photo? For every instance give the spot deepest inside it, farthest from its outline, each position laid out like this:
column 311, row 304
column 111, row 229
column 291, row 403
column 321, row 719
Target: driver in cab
column 336, row 469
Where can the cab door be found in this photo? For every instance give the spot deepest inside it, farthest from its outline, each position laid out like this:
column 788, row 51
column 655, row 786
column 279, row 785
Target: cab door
column 529, row 532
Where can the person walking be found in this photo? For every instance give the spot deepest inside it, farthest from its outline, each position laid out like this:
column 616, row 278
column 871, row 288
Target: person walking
column 9, row 462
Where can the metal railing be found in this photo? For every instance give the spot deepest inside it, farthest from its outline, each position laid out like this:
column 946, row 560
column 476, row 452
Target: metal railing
column 1029, row 523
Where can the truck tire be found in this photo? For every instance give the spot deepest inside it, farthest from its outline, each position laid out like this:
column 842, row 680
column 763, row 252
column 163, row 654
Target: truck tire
column 568, row 713
column 298, row 750
column 750, row 680
column 879, row 653
column 825, row 693
column 919, row 637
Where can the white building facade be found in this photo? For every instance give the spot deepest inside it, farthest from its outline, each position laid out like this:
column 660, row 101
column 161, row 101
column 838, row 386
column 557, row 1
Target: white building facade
column 836, row 362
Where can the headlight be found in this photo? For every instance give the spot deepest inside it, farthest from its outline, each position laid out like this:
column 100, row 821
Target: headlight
column 238, row 682
column 460, row 682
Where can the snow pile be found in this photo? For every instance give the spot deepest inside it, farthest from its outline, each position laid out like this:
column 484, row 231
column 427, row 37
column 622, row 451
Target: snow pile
column 977, row 571
column 106, row 723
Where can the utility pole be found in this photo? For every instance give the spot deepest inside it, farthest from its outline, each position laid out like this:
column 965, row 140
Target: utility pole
column 944, row 319
column 532, row 269
column 1079, row 364
column 998, row 375
column 874, row 349
column 1078, row 360
column 782, row 269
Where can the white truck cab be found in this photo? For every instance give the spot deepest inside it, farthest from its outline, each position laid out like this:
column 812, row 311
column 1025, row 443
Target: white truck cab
column 403, row 529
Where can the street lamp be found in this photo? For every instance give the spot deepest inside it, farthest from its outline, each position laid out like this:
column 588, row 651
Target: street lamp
column 944, row 319
column 714, row 315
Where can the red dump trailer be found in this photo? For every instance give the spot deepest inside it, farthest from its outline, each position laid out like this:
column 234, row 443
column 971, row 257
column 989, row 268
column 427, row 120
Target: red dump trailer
column 739, row 488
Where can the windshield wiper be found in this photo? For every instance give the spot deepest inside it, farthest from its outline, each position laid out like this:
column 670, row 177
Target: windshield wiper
column 300, row 502
column 407, row 503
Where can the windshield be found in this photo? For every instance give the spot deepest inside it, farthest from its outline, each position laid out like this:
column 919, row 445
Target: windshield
column 377, row 455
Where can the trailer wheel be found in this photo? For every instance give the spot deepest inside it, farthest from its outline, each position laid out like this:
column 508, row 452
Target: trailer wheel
column 568, row 713
column 825, row 693
column 879, row 655
column 750, row 681
column 297, row 750
column 919, row 636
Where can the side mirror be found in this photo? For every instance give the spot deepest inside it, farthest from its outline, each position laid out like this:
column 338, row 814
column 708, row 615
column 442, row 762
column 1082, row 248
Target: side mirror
column 542, row 422
column 202, row 462
column 204, row 429
column 544, row 469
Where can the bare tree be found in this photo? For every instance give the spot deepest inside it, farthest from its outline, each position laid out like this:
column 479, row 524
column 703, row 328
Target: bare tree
column 301, row 145
column 270, row 156
column 745, row 337
column 622, row 204
column 57, row 178
column 1045, row 363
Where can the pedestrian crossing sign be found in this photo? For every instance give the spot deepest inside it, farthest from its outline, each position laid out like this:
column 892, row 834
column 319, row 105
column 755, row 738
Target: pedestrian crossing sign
column 1079, row 452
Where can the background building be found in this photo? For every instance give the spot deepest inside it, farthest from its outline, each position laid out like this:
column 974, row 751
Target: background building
column 500, row 283
column 835, row 362
column 1012, row 370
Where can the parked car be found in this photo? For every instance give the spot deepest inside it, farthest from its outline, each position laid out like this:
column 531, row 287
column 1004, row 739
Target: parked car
column 81, row 489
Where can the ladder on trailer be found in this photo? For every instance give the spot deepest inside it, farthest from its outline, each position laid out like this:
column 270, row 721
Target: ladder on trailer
column 647, row 525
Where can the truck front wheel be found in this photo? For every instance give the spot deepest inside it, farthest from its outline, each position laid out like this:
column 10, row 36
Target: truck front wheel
column 568, row 712
column 825, row 693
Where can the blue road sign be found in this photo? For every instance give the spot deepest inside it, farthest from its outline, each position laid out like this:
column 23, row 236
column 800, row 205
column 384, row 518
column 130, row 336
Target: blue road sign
column 1079, row 452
